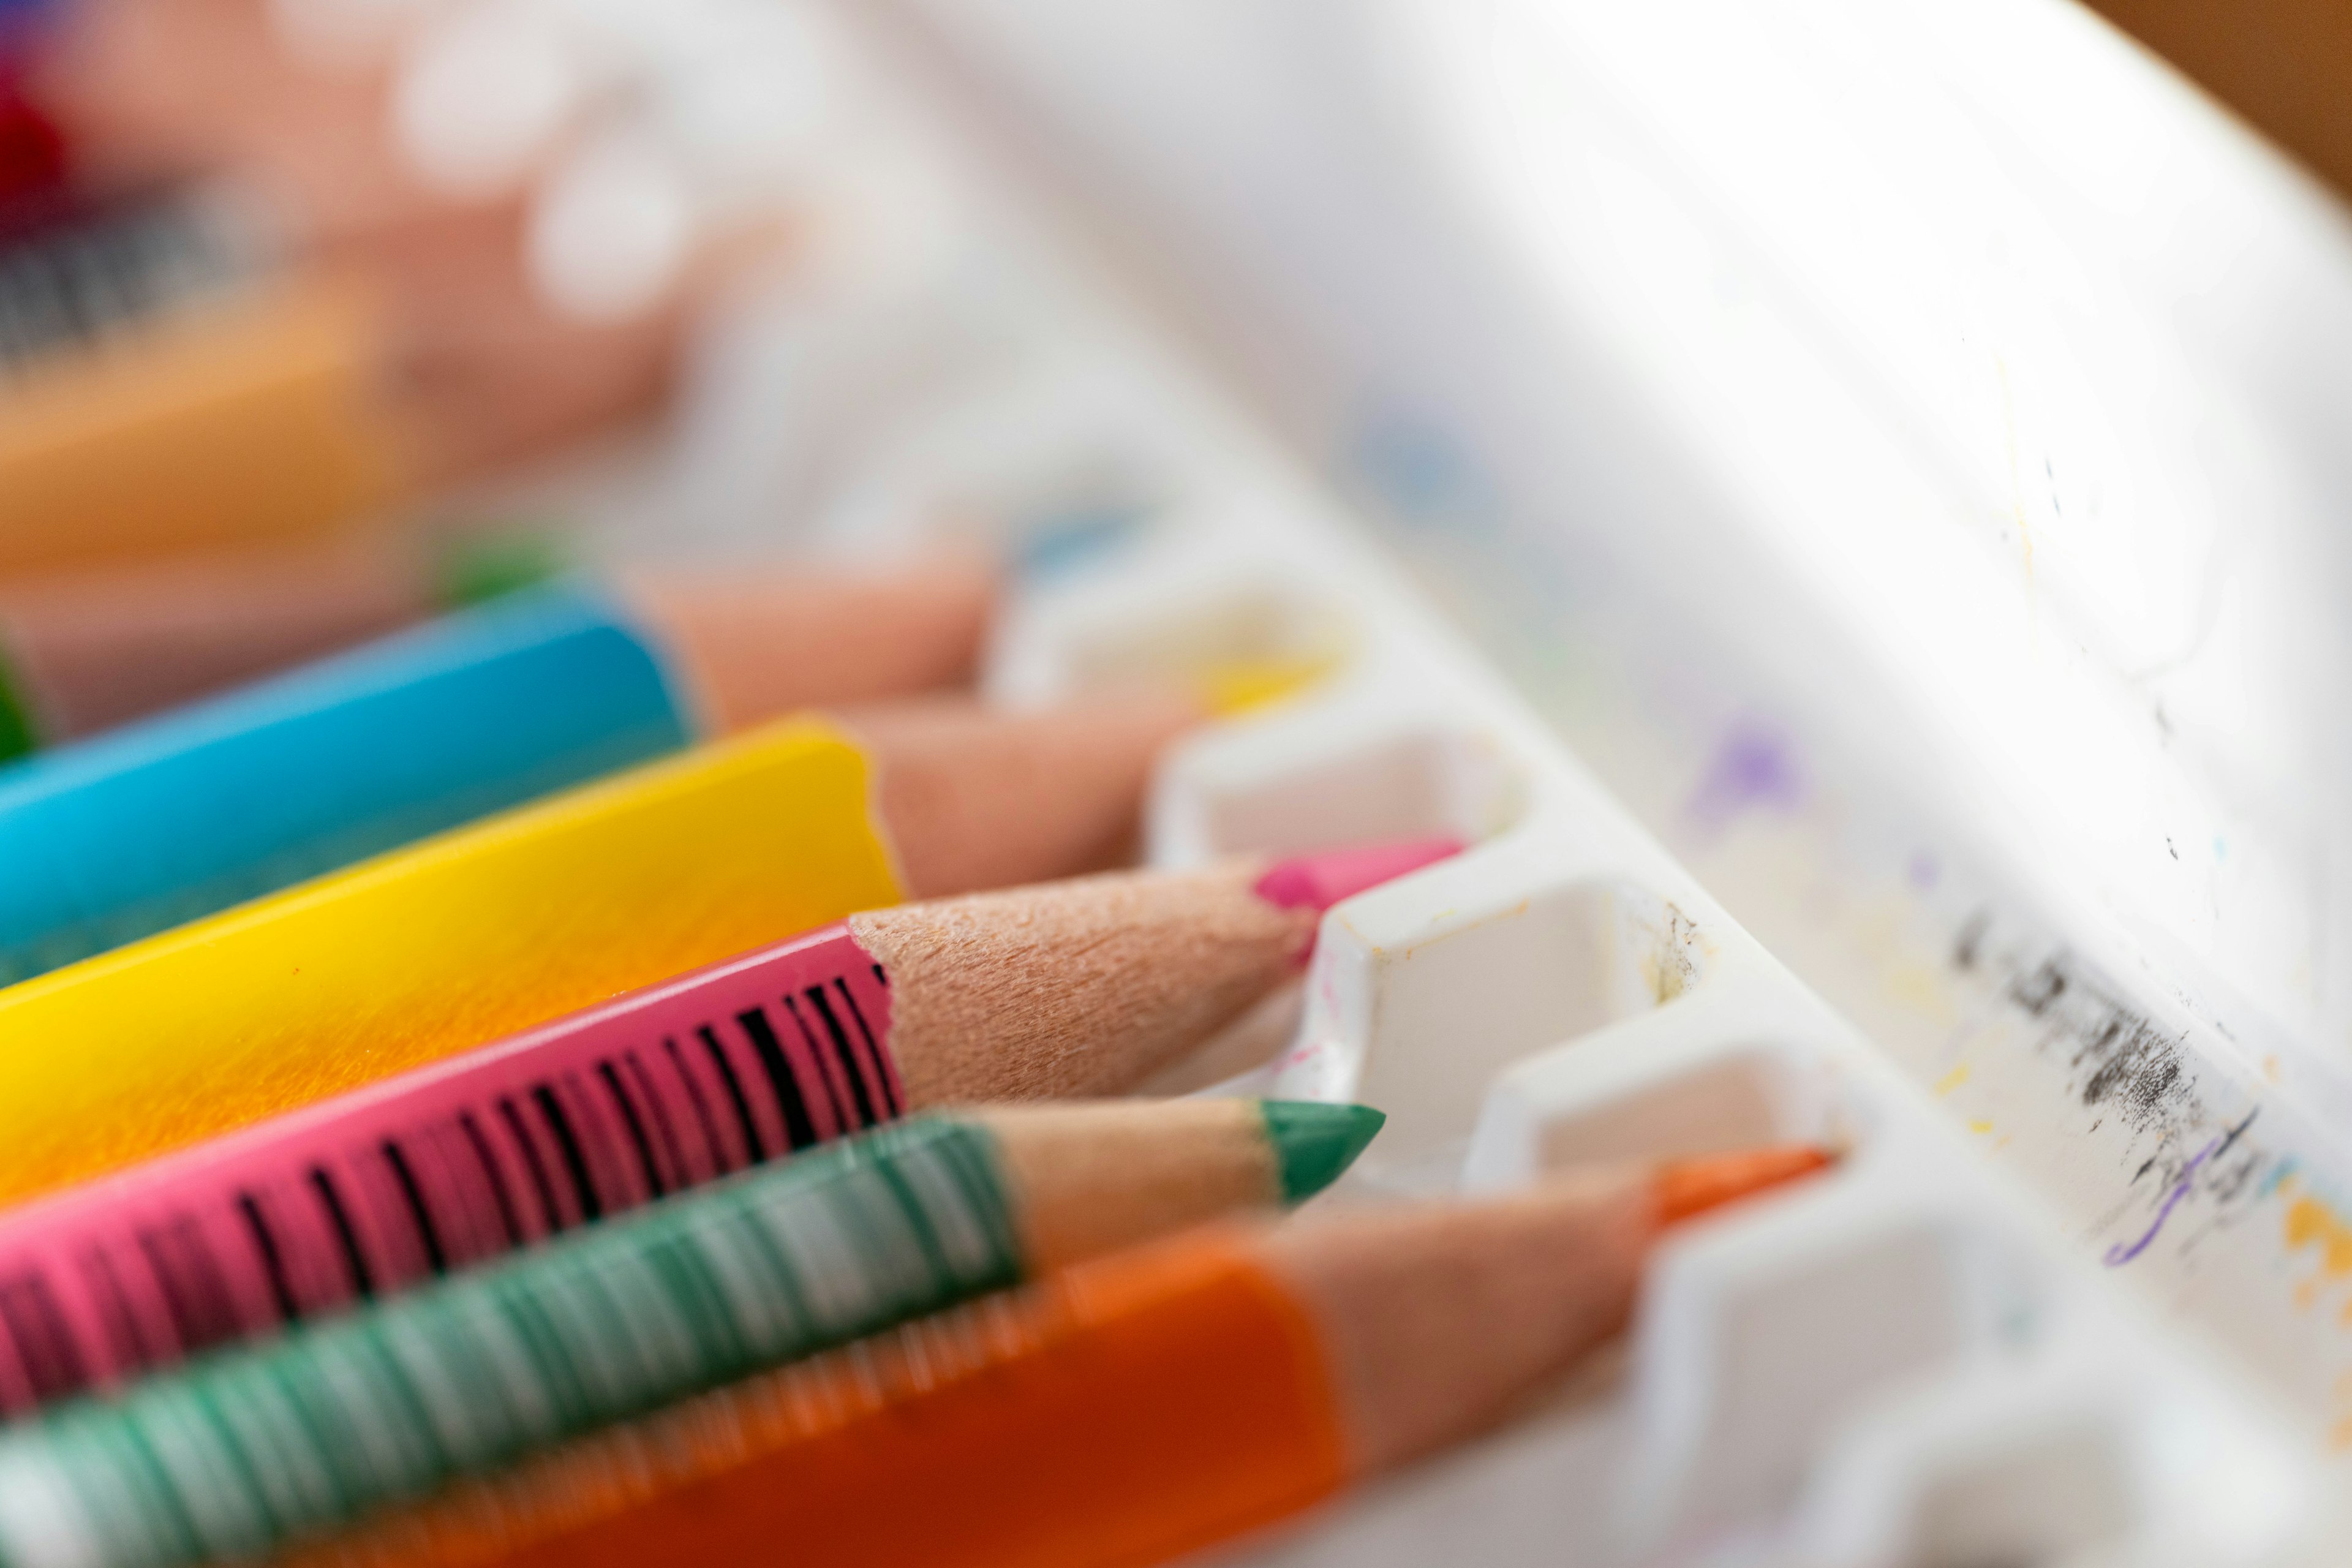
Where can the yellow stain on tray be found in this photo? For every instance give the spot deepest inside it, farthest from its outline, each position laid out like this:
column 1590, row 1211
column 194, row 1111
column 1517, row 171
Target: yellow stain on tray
column 2311, row 1223
column 1981, row 1127
column 1884, row 929
column 1952, row 1079
column 1230, row 686
column 1921, row 989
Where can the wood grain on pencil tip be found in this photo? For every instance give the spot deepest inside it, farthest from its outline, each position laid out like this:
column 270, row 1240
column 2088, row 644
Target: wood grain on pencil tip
column 979, row 797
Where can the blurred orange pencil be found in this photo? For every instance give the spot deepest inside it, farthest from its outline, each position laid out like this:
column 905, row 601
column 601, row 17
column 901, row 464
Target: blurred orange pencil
column 1136, row 1408
column 252, row 417
column 297, row 402
column 450, row 364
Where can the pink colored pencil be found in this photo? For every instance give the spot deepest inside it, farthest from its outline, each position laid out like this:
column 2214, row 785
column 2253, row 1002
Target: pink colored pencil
column 1060, row 990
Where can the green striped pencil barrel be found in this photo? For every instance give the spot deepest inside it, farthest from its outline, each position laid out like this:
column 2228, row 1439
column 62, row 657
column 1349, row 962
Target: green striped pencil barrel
column 249, row 1450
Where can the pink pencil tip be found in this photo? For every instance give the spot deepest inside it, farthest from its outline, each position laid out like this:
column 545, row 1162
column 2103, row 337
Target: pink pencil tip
column 1318, row 881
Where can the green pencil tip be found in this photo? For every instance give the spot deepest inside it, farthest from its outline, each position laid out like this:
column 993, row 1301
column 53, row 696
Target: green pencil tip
column 18, row 737
column 476, row 569
column 1314, row 1141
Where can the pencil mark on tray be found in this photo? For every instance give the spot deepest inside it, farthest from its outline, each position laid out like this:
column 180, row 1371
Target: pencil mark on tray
column 2124, row 1252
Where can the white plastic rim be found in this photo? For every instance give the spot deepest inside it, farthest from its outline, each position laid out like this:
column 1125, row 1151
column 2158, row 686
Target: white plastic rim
column 346, row 30
column 483, row 95
column 752, row 97
column 610, row 228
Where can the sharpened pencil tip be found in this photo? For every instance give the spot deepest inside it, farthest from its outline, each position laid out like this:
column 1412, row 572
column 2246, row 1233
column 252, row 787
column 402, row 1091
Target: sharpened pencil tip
column 19, row 735
column 1314, row 1143
column 1318, row 882
column 1684, row 1188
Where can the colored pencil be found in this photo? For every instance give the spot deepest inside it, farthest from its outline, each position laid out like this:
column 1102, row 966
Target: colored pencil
column 474, row 365
column 473, row 1373
column 252, row 417
column 195, row 810
column 487, row 371
column 266, row 404
column 1129, row 1411
column 87, row 650
column 77, row 272
column 143, row 92
column 463, row 360
column 976, row 801
column 306, row 397
column 32, row 148
column 1070, row 989
column 546, row 910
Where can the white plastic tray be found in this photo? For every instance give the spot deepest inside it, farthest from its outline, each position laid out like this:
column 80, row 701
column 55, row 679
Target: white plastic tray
column 1902, row 1365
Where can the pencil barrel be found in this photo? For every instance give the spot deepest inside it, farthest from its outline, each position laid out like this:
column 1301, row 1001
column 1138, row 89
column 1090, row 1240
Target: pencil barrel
column 254, row 417
column 455, row 1166
column 1129, row 1411
column 246, row 1451
column 320, row 769
column 73, row 285
column 412, row 958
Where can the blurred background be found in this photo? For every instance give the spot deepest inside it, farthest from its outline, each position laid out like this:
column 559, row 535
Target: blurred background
column 1901, row 446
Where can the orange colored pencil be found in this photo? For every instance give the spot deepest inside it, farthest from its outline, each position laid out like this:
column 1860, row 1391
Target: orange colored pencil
column 1134, row 1409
